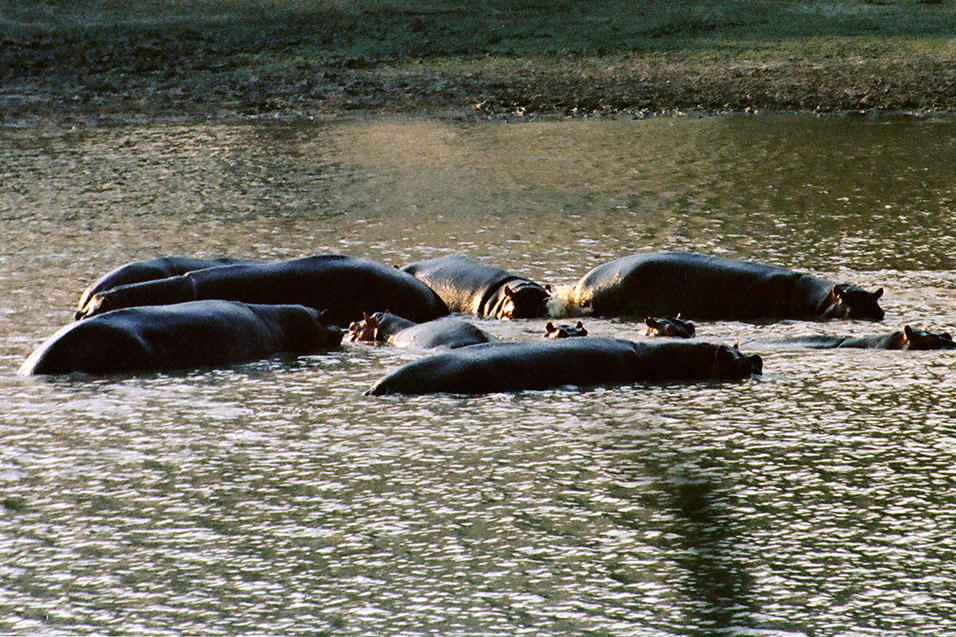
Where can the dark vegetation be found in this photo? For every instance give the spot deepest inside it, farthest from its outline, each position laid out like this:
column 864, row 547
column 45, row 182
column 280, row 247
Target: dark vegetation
column 119, row 59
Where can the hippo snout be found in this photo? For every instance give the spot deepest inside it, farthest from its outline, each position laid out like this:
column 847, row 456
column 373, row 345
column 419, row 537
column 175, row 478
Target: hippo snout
column 756, row 364
column 729, row 362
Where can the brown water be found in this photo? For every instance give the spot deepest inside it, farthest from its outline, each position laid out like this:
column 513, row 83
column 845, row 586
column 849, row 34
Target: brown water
column 275, row 498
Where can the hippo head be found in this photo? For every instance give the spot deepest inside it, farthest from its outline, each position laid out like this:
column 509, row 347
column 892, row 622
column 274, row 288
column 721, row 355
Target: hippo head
column 564, row 331
column 923, row 340
column 366, row 329
column 730, row 362
column 669, row 326
column 853, row 302
column 528, row 300
column 313, row 332
column 97, row 304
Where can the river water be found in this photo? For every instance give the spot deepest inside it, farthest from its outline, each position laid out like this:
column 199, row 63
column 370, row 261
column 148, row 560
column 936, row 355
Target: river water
column 818, row 499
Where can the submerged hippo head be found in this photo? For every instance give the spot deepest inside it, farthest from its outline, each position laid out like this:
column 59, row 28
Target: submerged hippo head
column 564, row 331
column 730, row 362
column 524, row 301
column 923, row 340
column 853, row 302
column 366, row 329
column 669, row 326
column 312, row 332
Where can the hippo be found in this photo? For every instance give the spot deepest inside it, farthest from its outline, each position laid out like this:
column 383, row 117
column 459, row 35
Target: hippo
column 581, row 362
column 446, row 332
column 472, row 287
column 907, row 338
column 149, row 270
column 565, row 331
column 181, row 336
column 707, row 287
column 346, row 286
column 669, row 326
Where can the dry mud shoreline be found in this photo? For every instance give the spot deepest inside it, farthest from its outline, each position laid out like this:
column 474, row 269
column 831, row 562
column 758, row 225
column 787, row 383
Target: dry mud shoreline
column 840, row 86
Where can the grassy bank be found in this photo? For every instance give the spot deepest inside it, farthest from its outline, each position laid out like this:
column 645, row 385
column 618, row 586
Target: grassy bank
column 129, row 59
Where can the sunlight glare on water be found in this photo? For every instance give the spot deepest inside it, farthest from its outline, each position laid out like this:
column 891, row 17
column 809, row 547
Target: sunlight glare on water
column 275, row 498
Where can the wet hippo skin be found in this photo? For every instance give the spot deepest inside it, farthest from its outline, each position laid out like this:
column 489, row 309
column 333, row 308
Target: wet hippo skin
column 908, row 338
column 445, row 332
column 550, row 363
column 181, row 336
column 149, row 270
column 346, row 287
column 704, row 287
column 472, row 287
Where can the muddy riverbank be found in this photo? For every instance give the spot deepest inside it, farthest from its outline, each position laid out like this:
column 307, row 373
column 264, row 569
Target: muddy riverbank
column 639, row 87
column 140, row 62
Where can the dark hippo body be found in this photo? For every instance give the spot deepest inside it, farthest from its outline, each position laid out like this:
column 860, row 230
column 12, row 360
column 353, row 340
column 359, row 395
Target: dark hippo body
column 582, row 362
column 181, row 336
column 344, row 286
column 473, row 287
column 907, row 338
column 446, row 332
column 706, row 287
column 149, row 270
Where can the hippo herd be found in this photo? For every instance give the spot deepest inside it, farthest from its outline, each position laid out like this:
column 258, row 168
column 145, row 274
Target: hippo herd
column 179, row 312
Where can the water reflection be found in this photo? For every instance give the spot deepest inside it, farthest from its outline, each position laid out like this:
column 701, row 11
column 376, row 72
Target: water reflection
column 273, row 497
column 712, row 552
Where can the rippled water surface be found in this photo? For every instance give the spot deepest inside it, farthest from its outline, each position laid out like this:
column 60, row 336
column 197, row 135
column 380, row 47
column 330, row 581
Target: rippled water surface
column 819, row 499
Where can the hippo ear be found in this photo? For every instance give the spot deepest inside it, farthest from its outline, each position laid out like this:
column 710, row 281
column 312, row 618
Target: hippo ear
column 508, row 291
column 550, row 327
column 736, row 343
column 907, row 334
column 947, row 336
column 580, row 325
column 650, row 321
column 548, row 288
column 878, row 294
column 721, row 354
column 837, row 291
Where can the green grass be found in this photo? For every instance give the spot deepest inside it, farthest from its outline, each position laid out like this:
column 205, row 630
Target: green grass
column 373, row 31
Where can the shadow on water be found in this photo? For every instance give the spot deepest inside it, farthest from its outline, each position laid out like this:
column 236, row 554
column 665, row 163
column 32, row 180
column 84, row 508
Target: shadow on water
column 711, row 552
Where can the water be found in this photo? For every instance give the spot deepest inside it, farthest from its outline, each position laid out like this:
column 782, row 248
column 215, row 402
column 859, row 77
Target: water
column 819, row 499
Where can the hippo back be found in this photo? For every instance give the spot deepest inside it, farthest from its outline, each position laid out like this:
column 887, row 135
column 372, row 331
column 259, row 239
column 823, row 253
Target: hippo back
column 714, row 288
column 546, row 364
column 448, row 333
column 472, row 287
column 150, row 270
column 345, row 286
column 180, row 336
